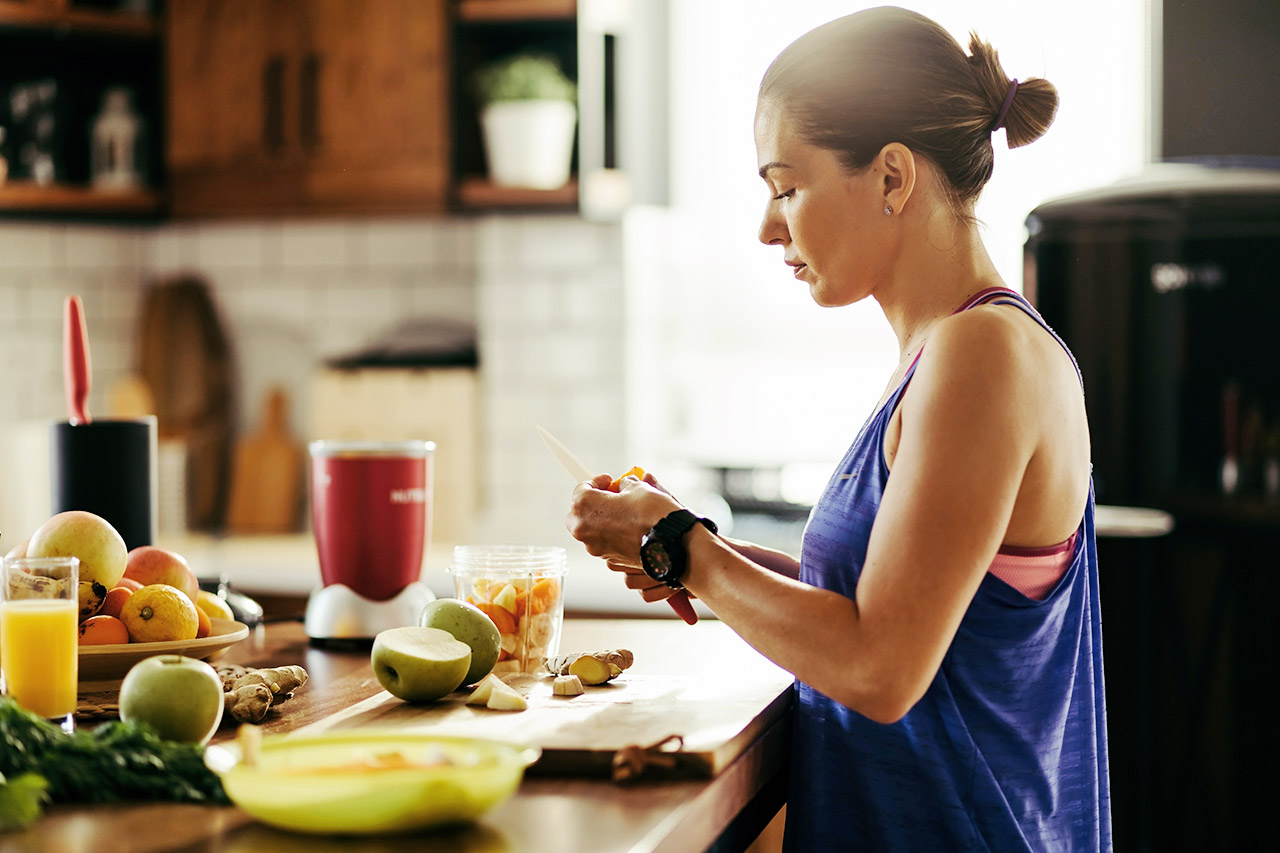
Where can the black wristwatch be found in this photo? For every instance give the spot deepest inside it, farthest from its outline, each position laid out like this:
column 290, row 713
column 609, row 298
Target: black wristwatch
column 663, row 555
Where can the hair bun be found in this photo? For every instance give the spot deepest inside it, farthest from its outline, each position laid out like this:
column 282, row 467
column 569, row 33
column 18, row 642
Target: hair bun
column 1033, row 103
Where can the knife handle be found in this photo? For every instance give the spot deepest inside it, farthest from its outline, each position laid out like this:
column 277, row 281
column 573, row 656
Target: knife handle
column 75, row 360
column 681, row 604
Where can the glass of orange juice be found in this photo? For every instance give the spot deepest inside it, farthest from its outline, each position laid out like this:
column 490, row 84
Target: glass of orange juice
column 39, row 634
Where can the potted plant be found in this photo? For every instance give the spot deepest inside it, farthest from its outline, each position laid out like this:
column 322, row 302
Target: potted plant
column 527, row 117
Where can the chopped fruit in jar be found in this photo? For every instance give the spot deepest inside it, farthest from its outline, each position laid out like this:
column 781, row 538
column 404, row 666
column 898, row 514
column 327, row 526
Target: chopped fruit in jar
column 501, row 617
column 483, row 589
column 541, row 627
column 506, row 598
column 544, row 595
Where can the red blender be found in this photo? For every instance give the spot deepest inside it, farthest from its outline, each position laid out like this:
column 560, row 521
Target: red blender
column 371, row 514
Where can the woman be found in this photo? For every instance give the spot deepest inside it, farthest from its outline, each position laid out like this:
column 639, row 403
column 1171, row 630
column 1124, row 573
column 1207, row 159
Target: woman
column 942, row 621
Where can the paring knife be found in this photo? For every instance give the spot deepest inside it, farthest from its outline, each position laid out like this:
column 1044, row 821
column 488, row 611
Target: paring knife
column 579, row 472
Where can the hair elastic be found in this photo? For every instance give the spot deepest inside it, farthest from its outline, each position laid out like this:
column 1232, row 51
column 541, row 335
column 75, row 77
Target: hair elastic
column 1004, row 108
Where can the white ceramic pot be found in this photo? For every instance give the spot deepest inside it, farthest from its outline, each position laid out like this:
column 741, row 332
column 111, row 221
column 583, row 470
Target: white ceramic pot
column 529, row 143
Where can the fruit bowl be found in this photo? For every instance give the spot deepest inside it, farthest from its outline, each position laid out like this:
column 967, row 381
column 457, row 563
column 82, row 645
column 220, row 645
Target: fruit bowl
column 368, row 783
column 111, row 662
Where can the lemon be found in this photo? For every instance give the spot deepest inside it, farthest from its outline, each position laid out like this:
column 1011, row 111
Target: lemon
column 160, row 613
column 213, row 606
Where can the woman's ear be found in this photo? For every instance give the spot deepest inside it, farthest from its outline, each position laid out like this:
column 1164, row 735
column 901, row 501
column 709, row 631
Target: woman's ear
column 898, row 165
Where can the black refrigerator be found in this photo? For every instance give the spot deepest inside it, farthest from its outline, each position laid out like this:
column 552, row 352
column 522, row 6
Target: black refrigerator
column 1167, row 289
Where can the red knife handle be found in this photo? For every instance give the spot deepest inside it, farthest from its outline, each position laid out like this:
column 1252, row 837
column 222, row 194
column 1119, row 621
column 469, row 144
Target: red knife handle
column 75, row 361
column 681, row 604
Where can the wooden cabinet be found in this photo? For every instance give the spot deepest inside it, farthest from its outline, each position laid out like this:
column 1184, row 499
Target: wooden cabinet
column 307, row 106
column 73, row 52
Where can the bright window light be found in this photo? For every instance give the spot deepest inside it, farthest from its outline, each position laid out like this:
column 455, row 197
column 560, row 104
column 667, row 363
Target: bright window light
column 753, row 372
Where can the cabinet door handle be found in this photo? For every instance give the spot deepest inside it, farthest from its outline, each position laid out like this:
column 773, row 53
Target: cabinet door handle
column 273, row 105
column 309, row 105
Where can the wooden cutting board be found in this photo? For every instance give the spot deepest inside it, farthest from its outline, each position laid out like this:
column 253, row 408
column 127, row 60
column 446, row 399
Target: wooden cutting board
column 702, row 682
column 266, row 477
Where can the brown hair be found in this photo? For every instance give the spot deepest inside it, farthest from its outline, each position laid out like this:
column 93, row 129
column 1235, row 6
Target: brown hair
column 885, row 75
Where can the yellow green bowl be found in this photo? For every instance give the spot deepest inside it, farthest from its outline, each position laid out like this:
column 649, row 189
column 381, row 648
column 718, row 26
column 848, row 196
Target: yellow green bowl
column 352, row 784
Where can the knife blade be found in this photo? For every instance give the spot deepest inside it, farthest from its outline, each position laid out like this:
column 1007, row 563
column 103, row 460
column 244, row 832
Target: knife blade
column 580, row 473
column 570, row 463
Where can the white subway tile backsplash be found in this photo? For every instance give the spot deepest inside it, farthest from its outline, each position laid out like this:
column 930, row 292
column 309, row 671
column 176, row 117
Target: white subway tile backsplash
column 89, row 248
column 319, row 244
column 412, row 244
column 220, row 246
column 169, row 250
column 27, row 246
column 13, row 298
column 545, row 292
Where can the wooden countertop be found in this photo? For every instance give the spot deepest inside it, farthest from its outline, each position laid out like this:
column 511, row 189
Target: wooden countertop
column 549, row 814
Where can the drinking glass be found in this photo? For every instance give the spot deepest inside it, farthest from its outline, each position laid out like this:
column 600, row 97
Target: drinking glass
column 39, row 634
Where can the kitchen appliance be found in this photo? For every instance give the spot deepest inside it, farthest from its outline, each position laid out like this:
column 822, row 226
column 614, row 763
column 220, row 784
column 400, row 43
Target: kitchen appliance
column 1164, row 286
column 371, row 513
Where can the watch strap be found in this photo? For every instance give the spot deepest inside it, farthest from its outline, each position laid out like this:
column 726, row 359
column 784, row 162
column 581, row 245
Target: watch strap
column 671, row 530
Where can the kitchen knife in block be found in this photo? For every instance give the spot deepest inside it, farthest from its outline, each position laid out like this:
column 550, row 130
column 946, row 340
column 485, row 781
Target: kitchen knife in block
column 580, row 473
column 266, row 479
column 75, row 360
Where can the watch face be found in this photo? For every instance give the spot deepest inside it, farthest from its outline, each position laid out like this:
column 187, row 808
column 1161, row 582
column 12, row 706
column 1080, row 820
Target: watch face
column 655, row 559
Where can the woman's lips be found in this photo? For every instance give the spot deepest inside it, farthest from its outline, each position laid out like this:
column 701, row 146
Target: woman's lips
column 798, row 269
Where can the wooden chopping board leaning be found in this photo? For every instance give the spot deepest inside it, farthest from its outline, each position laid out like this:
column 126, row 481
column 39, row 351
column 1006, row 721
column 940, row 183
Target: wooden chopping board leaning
column 266, row 477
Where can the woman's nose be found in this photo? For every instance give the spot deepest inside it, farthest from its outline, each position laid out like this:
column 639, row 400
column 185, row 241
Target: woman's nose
column 773, row 230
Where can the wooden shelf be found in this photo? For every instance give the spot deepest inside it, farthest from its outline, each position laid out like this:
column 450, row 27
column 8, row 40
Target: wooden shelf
column 131, row 24
column 497, row 11
column 482, row 194
column 22, row 197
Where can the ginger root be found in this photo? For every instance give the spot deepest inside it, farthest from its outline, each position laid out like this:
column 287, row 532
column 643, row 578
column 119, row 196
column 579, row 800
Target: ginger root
column 247, row 704
column 249, row 693
column 591, row 667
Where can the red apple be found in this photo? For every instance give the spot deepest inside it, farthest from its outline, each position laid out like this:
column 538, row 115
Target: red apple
column 149, row 564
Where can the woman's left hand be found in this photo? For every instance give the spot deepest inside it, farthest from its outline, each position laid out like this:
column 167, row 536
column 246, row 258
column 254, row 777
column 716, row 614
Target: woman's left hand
column 611, row 524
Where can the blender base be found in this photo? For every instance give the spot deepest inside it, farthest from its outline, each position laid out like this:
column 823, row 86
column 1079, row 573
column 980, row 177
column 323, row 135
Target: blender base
column 337, row 612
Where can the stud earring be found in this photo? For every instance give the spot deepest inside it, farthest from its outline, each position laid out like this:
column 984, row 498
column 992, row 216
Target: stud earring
column 888, row 211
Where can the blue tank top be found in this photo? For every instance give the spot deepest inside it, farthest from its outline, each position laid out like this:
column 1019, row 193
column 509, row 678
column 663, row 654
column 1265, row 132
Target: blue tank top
column 1007, row 749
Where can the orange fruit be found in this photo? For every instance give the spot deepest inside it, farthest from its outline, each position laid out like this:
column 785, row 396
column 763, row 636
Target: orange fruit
column 116, row 597
column 130, row 583
column 205, row 627
column 160, row 613
column 214, row 605
column 544, row 594
column 636, row 471
column 501, row 617
column 103, row 631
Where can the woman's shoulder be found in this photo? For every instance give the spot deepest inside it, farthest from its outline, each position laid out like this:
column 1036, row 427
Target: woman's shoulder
column 988, row 341
column 996, row 356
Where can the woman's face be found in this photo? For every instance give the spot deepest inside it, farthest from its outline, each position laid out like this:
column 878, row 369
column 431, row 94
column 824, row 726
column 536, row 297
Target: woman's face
column 828, row 221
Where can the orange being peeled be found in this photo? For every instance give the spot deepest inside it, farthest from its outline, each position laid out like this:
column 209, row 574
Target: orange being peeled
column 636, row 472
column 160, row 613
column 103, row 631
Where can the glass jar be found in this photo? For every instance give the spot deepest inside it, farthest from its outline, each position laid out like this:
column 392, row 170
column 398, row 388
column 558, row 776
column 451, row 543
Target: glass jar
column 521, row 588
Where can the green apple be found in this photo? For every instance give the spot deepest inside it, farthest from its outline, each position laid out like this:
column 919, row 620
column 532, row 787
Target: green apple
column 470, row 625
column 180, row 697
column 419, row 664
